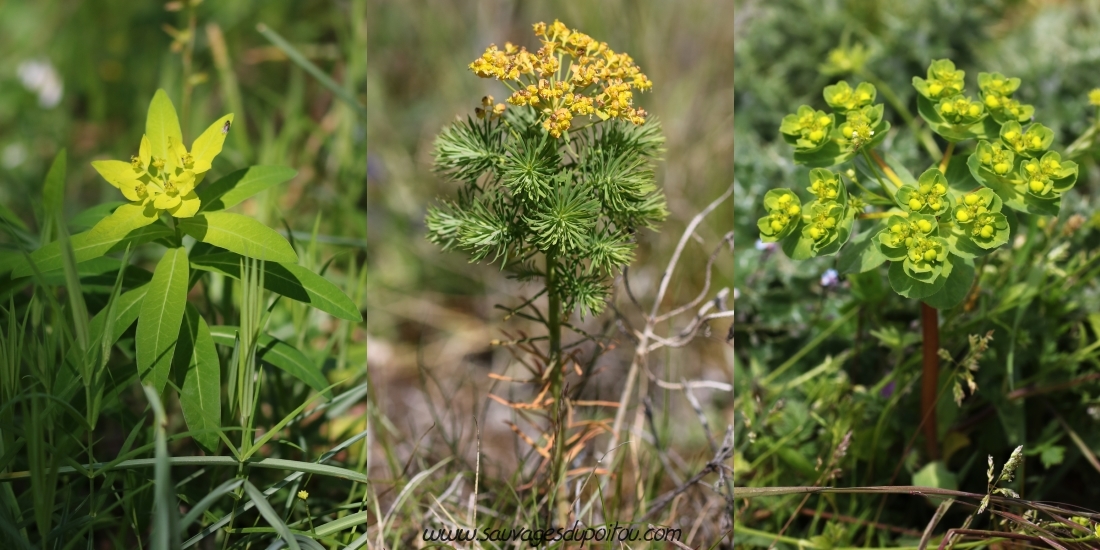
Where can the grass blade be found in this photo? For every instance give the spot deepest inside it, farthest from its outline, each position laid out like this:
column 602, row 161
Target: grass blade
column 271, row 515
column 165, row 509
column 312, row 69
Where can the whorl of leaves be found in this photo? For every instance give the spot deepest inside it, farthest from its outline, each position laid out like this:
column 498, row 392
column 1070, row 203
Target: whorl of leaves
column 524, row 193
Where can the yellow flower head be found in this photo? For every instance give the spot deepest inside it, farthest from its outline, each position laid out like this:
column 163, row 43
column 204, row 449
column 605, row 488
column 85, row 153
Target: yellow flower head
column 598, row 81
column 1094, row 97
column 303, row 494
column 164, row 173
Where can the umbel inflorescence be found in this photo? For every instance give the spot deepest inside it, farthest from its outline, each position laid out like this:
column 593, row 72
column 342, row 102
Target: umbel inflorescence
column 934, row 225
column 538, row 186
column 597, row 80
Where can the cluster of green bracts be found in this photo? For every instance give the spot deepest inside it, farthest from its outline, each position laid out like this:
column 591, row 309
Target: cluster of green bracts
column 822, row 139
column 942, row 220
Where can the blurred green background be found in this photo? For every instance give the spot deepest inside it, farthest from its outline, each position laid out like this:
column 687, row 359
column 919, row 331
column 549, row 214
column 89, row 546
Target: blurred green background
column 431, row 314
column 1043, row 312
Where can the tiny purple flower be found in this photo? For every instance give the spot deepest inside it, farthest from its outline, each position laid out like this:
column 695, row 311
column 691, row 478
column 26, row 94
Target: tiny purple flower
column 830, row 278
column 887, row 390
column 765, row 247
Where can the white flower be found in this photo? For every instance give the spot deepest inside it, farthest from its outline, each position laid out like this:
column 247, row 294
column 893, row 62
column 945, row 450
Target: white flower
column 40, row 77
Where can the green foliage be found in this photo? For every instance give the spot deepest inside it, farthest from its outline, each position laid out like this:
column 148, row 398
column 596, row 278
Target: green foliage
column 526, row 193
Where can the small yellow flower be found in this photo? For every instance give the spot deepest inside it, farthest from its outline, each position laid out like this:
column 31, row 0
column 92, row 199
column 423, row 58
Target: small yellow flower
column 303, row 494
column 1094, row 97
column 599, row 81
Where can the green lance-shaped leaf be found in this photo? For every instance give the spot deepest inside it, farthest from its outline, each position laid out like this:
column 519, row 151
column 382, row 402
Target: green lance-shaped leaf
column 130, row 224
column 161, row 314
column 278, row 354
column 290, row 280
column 239, row 234
column 88, row 218
column 162, row 127
column 127, row 308
column 200, row 396
column 240, row 185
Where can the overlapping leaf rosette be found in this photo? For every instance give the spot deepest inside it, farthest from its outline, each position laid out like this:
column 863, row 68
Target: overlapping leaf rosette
column 938, row 223
column 823, row 139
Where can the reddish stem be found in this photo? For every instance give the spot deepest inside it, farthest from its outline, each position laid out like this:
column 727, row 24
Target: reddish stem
column 930, row 377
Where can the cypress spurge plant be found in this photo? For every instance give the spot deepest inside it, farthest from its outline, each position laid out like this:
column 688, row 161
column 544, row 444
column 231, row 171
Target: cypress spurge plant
column 929, row 229
column 554, row 188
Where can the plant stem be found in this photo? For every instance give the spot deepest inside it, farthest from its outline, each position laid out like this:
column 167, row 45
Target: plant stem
column 889, row 192
column 947, row 157
column 557, row 465
column 929, row 318
column 188, row 53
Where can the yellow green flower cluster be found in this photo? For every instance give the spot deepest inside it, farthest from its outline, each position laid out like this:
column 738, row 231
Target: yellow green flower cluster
column 597, row 80
column 997, row 90
column 167, row 181
column 930, row 192
column 995, row 157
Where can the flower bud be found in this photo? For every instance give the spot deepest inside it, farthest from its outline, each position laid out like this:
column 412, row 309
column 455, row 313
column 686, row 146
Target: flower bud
column 794, row 210
column 929, row 255
column 939, row 189
column 816, row 233
column 1035, row 185
column 962, row 216
column 830, row 223
column 1002, row 168
column 896, row 228
column 777, row 225
column 971, row 200
column 914, row 204
column 987, row 231
column 924, row 225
